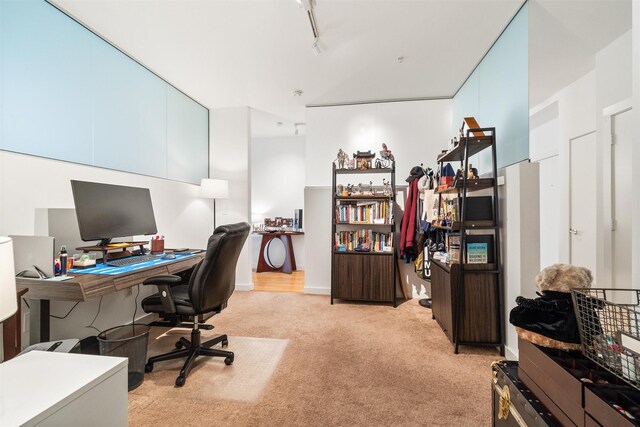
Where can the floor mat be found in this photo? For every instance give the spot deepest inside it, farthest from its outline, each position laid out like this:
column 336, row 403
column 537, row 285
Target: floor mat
column 256, row 359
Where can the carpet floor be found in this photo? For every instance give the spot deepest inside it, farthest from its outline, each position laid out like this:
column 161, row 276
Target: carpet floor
column 343, row 364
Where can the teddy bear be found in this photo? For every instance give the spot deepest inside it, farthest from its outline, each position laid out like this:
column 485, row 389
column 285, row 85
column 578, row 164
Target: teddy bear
column 549, row 320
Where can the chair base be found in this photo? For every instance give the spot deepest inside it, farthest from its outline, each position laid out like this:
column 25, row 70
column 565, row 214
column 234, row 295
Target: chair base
column 192, row 349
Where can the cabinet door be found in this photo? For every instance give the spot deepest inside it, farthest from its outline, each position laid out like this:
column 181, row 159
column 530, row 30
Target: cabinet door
column 377, row 276
column 441, row 298
column 346, row 276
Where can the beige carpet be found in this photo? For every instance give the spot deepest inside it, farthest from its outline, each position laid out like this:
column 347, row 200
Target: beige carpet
column 346, row 364
column 256, row 359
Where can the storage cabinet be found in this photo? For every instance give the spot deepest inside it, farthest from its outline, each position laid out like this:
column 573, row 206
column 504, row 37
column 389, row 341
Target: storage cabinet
column 363, row 266
column 466, row 283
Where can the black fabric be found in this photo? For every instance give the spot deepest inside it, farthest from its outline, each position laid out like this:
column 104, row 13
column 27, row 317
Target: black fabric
column 551, row 315
column 210, row 283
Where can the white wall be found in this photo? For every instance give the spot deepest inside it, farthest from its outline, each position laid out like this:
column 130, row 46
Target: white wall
column 28, row 183
column 414, row 131
column 519, row 221
column 578, row 110
column 230, row 137
column 635, row 203
column 277, row 186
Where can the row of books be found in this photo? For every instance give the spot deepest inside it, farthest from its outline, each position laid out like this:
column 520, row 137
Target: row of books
column 370, row 212
column 363, row 241
column 477, row 250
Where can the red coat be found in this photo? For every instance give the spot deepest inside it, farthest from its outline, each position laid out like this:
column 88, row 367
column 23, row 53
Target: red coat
column 408, row 226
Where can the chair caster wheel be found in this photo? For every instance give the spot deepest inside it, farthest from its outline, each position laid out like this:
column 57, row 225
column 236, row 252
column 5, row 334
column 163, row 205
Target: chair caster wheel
column 178, row 345
column 148, row 367
column 228, row 361
column 180, row 381
column 225, row 343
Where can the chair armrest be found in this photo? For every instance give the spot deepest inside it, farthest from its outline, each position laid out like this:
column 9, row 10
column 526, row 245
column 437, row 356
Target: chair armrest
column 164, row 284
column 160, row 280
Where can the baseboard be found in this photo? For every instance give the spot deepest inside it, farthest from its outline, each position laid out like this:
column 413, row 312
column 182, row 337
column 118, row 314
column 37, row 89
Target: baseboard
column 510, row 353
column 146, row 319
column 316, row 290
column 244, row 287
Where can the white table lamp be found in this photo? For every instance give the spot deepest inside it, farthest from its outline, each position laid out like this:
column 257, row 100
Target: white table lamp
column 214, row 189
column 8, row 300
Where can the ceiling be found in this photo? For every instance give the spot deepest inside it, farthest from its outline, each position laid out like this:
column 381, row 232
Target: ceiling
column 565, row 35
column 227, row 53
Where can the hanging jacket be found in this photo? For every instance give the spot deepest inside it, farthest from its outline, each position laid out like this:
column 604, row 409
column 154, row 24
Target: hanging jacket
column 408, row 225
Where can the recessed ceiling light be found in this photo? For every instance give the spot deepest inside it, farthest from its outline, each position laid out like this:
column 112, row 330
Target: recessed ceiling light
column 279, row 124
column 297, row 92
column 400, row 59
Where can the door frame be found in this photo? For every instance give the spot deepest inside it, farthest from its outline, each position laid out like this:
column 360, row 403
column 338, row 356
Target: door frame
column 608, row 114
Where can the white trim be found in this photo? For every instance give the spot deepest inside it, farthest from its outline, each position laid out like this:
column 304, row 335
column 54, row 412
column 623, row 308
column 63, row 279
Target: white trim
column 315, row 290
column 617, row 108
column 510, row 353
column 244, row 287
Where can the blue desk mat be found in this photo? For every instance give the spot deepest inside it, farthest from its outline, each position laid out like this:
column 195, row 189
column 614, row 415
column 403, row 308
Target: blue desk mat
column 112, row 271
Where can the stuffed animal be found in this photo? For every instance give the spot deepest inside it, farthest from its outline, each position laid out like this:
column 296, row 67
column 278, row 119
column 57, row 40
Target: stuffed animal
column 549, row 320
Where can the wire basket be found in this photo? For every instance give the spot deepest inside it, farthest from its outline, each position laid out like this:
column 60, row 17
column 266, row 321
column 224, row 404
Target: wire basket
column 608, row 320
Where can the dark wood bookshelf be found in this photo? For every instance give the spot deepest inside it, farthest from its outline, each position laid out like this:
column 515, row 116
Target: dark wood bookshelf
column 472, row 185
column 363, row 171
column 476, row 145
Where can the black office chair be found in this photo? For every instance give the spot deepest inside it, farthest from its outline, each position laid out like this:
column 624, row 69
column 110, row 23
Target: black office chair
column 206, row 289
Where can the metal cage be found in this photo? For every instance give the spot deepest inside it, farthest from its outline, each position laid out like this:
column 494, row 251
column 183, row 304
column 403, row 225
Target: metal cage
column 608, row 320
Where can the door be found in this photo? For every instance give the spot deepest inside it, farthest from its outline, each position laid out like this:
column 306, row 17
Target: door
column 621, row 167
column 582, row 226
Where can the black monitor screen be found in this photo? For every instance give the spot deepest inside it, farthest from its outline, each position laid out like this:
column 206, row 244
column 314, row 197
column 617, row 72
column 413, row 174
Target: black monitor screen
column 107, row 211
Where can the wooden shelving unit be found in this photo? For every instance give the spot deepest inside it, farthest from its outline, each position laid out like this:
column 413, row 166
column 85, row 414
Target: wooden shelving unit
column 468, row 299
column 363, row 276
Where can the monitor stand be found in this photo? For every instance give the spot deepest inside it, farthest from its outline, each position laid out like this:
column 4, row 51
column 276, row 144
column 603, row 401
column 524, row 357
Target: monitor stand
column 119, row 250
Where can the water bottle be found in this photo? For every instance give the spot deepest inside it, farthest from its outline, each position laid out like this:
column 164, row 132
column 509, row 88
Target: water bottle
column 63, row 260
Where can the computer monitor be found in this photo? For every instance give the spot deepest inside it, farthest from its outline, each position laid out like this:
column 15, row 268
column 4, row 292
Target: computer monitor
column 107, row 211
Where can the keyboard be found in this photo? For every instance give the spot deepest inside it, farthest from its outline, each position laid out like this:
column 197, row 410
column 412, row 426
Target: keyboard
column 121, row 262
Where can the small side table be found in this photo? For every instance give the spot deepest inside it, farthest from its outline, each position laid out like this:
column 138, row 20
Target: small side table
column 12, row 330
column 265, row 264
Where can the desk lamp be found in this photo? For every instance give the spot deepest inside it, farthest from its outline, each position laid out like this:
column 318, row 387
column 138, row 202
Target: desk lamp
column 8, row 300
column 214, row 189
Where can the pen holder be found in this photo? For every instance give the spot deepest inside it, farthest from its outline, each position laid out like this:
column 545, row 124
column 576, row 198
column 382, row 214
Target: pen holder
column 157, row 246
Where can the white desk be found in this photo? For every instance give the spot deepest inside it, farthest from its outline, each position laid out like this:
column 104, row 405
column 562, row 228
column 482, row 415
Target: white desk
column 63, row 389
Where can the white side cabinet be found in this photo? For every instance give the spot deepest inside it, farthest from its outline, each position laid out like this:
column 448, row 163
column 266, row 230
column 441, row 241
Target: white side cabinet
column 63, row 389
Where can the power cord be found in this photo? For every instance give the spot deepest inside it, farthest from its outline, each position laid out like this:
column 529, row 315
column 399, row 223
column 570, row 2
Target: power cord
column 65, row 316
column 97, row 314
column 133, row 320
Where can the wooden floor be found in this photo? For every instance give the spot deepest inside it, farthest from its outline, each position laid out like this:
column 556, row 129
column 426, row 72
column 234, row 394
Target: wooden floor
column 279, row 282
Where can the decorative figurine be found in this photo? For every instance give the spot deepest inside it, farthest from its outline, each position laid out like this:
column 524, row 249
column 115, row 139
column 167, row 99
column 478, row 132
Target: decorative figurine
column 472, row 173
column 340, row 190
column 386, row 187
column 363, row 159
column 386, row 153
column 342, row 157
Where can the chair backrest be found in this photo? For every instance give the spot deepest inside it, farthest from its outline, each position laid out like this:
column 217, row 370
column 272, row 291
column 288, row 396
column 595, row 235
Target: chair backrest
column 214, row 278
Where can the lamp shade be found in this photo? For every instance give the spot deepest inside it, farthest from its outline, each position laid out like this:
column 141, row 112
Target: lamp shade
column 8, row 301
column 214, row 188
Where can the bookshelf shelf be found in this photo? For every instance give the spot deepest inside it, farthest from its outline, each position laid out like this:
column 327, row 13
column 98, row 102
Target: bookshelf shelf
column 359, row 275
column 467, row 296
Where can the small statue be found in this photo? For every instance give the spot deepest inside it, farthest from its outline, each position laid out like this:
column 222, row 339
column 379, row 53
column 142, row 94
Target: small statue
column 342, row 157
column 349, row 189
column 386, row 187
column 472, row 173
column 363, row 164
column 386, row 153
column 340, row 190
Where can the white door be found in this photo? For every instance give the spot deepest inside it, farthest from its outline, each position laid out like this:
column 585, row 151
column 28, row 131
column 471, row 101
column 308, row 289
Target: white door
column 621, row 167
column 582, row 228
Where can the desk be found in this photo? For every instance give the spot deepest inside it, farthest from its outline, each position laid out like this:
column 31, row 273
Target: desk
column 12, row 330
column 85, row 287
column 63, row 389
column 289, row 264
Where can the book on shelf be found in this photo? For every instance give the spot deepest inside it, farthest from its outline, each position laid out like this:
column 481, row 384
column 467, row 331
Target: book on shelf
column 477, row 253
column 367, row 212
column 363, row 241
